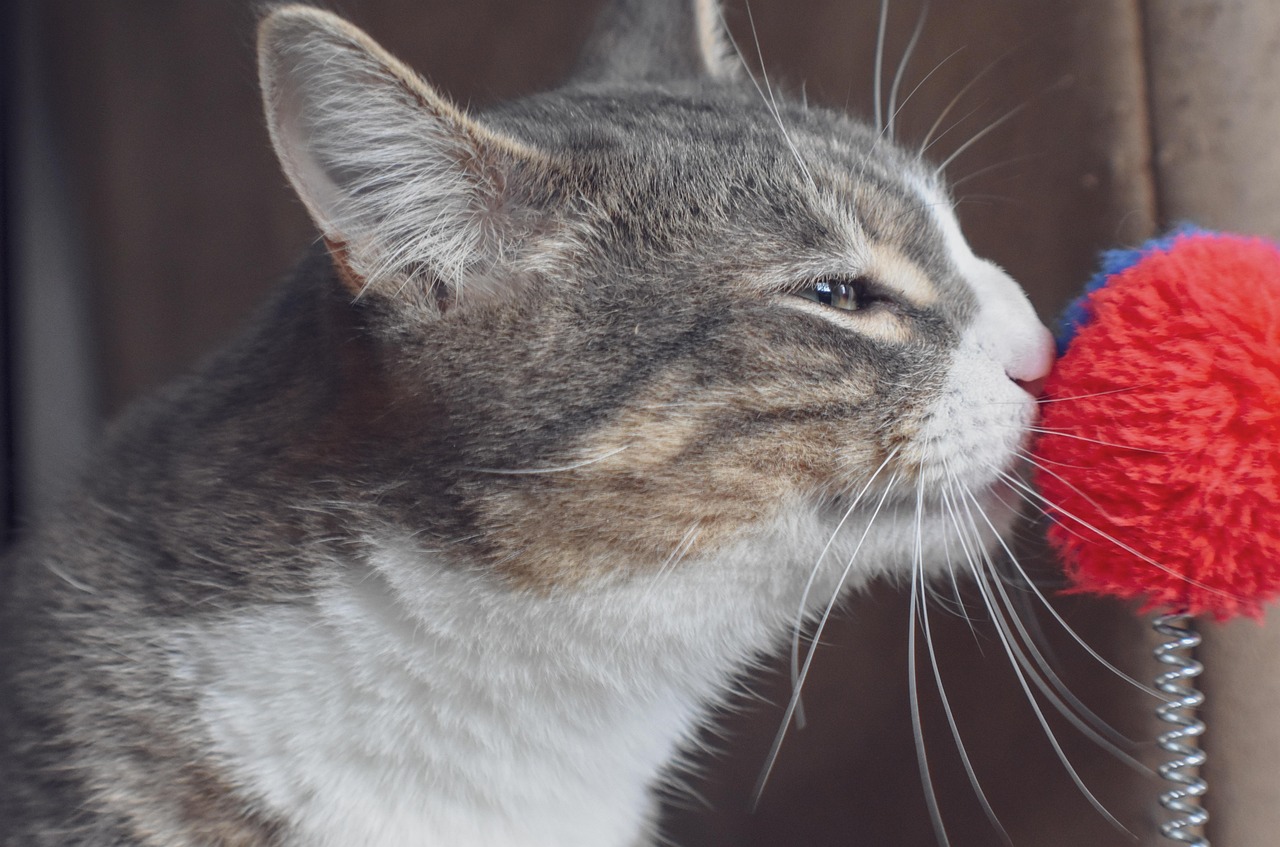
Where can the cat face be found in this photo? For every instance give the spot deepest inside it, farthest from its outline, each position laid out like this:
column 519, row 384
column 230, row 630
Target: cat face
column 628, row 320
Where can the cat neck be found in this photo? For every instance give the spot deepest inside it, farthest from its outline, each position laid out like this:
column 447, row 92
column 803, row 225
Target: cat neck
column 613, row 676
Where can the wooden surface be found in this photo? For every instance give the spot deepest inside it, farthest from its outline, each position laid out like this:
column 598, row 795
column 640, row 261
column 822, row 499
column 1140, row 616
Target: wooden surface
column 188, row 221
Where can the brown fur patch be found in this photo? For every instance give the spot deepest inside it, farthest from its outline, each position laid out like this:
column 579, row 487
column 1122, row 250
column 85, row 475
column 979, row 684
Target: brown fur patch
column 197, row 806
column 351, row 281
column 672, row 479
column 214, row 814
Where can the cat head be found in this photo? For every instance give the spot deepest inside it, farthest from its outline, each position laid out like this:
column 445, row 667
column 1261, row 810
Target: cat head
column 656, row 309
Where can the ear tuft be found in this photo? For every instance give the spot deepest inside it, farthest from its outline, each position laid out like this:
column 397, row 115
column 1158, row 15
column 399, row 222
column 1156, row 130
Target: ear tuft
column 408, row 191
column 655, row 40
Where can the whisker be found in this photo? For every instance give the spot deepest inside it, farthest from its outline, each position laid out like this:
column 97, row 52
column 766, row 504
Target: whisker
column 902, row 66
column 558, row 469
column 1039, row 505
column 924, row 79
column 770, row 101
column 1046, row 400
column 1064, row 701
column 981, row 134
column 950, row 603
column 1064, row 434
column 959, row 95
column 951, row 720
column 1073, row 634
column 772, row 757
column 988, row 200
column 951, row 571
column 1015, row 160
column 948, row 505
column 1035, row 462
column 1013, row 482
column 958, row 122
column 1000, row 121
column 1125, row 547
column 1023, row 593
column 813, row 573
column 879, row 69
column 1006, row 637
column 913, row 682
column 1041, row 461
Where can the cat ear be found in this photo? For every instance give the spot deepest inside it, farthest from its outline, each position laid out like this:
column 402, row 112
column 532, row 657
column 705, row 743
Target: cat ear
column 408, row 191
column 658, row 40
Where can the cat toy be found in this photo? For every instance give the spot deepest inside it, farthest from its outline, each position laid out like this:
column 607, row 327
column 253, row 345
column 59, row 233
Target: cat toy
column 1160, row 457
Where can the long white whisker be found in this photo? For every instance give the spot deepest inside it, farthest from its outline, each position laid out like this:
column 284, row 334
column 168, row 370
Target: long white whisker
column 1005, row 637
column 981, row 134
column 951, row 603
column 1013, row 483
column 879, row 69
column 950, row 715
column 1063, row 399
column 1067, row 398
column 1038, row 668
column 923, row 80
column 959, row 95
column 969, row 177
column 1039, row 505
column 558, row 469
column 772, row 757
column 951, row 571
column 1058, row 433
column 769, row 100
column 913, row 682
column 1061, row 83
column 902, row 66
column 1041, row 462
column 813, row 573
column 957, row 123
column 1059, row 510
column 1036, row 463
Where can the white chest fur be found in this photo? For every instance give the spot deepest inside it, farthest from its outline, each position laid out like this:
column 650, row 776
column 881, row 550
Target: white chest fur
column 417, row 705
column 365, row 726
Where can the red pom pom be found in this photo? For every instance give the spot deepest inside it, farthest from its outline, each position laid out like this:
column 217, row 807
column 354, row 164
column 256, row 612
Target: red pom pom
column 1161, row 457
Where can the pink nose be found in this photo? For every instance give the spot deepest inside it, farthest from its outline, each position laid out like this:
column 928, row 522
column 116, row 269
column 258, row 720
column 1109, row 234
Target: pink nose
column 1034, row 387
column 1028, row 356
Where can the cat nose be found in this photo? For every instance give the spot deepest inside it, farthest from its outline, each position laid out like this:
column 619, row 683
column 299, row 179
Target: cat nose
column 1030, row 357
column 1025, row 350
column 1034, row 387
column 1008, row 329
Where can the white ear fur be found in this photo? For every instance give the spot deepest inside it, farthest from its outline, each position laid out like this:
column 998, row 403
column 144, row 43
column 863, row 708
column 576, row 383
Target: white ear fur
column 658, row 39
column 714, row 42
column 405, row 187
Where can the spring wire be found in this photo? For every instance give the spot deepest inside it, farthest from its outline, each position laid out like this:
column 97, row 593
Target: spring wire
column 1181, row 742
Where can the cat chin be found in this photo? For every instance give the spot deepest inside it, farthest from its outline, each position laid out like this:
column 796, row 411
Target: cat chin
column 941, row 531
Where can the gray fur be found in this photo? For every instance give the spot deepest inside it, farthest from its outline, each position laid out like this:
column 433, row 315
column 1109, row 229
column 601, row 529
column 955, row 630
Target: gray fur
column 650, row 226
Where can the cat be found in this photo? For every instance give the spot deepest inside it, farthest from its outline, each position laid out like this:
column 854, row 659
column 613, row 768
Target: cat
column 579, row 406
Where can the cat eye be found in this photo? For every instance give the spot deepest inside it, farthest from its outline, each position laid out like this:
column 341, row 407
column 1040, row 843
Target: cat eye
column 848, row 294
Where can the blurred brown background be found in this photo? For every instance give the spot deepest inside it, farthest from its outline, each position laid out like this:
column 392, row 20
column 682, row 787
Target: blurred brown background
column 147, row 216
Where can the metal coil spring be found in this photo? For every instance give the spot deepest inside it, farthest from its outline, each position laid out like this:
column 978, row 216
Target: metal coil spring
column 1180, row 710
